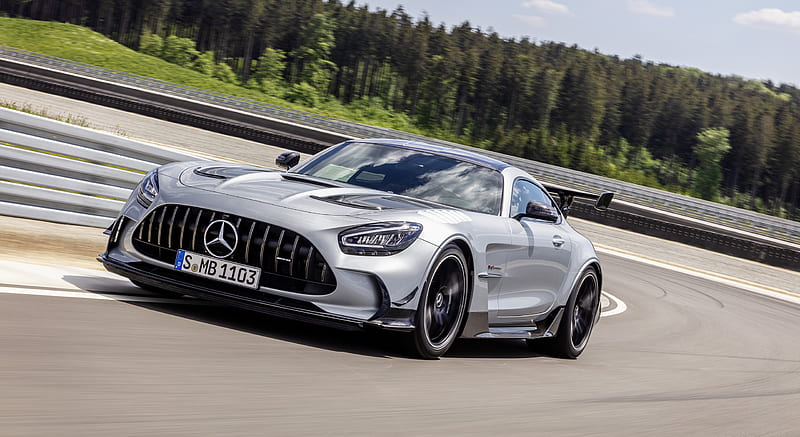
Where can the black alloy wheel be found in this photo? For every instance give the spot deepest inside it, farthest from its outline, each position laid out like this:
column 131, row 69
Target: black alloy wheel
column 442, row 304
column 577, row 321
column 584, row 311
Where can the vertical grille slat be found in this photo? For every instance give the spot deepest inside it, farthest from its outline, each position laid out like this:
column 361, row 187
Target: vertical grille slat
column 238, row 256
column 171, row 225
column 183, row 227
column 141, row 230
column 323, row 273
column 278, row 249
column 308, row 260
column 150, row 227
column 161, row 224
column 249, row 242
column 194, row 232
column 288, row 261
column 264, row 246
column 294, row 251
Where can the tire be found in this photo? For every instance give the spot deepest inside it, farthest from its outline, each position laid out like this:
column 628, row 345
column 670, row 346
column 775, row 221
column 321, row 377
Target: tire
column 152, row 289
column 442, row 305
column 577, row 321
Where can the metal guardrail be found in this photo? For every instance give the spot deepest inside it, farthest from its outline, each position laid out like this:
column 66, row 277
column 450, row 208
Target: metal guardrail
column 69, row 174
column 736, row 218
column 75, row 175
column 655, row 226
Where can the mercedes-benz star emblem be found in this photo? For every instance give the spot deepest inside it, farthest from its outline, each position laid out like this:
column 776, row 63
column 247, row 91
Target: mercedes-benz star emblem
column 217, row 238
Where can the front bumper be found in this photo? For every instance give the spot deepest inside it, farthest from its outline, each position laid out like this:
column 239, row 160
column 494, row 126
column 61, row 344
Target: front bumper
column 161, row 278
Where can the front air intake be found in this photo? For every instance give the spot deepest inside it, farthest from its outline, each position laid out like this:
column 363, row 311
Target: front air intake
column 288, row 261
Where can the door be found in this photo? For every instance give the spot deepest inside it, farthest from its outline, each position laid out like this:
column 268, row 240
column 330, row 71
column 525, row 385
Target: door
column 538, row 259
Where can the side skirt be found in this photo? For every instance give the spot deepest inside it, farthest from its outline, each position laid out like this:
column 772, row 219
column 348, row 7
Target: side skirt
column 544, row 329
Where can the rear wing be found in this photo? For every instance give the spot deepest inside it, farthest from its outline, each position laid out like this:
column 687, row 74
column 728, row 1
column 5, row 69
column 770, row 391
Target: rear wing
column 565, row 196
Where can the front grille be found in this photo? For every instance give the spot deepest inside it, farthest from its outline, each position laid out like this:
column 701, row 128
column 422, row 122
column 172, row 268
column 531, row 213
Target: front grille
column 287, row 260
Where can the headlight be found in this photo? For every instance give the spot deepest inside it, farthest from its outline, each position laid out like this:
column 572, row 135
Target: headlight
column 379, row 238
column 147, row 190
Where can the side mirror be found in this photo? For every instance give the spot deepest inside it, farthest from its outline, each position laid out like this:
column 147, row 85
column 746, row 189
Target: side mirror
column 603, row 201
column 287, row 160
column 539, row 211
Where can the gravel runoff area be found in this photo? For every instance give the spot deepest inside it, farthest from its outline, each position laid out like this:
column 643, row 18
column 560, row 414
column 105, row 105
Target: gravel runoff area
column 49, row 243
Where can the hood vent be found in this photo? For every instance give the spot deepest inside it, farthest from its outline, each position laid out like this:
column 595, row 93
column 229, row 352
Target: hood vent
column 377, row 202
column 223, row 172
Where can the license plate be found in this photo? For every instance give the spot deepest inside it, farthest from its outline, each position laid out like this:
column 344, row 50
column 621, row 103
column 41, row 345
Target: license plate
column 218, row 269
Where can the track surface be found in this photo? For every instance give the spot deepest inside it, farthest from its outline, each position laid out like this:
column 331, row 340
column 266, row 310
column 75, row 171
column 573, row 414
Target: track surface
column 688, row 357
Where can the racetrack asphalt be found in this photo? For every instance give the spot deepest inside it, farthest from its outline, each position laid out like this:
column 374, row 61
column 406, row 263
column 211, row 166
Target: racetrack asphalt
column 690, row 356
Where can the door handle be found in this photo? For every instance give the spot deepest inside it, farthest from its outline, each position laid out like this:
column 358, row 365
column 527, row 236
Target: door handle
column 558, row 241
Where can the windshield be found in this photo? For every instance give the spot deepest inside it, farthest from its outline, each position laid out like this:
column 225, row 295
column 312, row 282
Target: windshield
column 412, row 173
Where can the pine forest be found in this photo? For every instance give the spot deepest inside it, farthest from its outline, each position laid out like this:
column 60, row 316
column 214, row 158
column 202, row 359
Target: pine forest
column 724, row 138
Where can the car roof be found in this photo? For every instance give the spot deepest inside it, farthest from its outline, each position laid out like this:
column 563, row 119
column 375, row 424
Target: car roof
column 464, row 155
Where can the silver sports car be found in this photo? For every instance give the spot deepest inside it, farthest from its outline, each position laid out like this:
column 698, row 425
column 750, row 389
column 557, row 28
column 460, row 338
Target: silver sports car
column 404, row 236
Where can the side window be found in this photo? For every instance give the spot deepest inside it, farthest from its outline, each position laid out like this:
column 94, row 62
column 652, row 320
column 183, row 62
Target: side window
column 526, row 191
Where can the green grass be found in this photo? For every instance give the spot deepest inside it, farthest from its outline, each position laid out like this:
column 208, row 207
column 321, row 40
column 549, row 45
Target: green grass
column 81, row 44
column 84, row 45
column 43, row 112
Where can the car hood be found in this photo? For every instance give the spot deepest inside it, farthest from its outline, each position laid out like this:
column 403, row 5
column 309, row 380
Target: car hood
column 295, row 191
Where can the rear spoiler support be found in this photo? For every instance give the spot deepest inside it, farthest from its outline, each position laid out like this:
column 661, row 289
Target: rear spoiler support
column 566, row 196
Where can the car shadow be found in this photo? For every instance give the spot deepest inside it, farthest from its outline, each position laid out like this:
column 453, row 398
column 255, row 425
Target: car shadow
column 491, row 348
column 368, row 342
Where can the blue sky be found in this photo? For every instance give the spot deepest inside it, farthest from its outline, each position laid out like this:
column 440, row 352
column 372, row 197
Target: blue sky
column 754, row 39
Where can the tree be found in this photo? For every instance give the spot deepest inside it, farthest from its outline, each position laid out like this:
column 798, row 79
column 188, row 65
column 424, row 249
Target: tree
column 580, row 103
column 765, row 143
column 784, row 160
column 204, row 63
column 252, row 17
column 179, row 51
column 311, row 64
column 712, row 145
column 151, row 44
column 224, row 72
column 268, row 75
column 271, row 65
column 304, row 94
